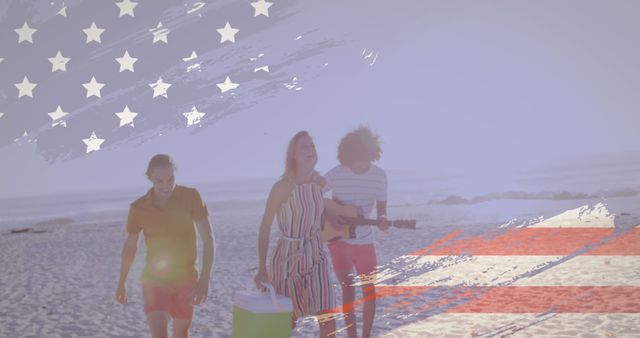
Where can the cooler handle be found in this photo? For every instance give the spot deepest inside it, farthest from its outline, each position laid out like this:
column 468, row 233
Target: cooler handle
column 272, row 293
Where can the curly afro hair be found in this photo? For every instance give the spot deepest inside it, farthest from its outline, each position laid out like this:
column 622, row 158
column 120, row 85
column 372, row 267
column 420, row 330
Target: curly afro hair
column 359, row 145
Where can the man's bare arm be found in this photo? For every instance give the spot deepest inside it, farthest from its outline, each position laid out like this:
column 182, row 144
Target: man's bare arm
column 208, row 246
column 201, row 291
column 129, row 250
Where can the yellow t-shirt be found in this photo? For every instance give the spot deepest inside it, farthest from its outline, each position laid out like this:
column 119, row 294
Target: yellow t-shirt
column 169, row 234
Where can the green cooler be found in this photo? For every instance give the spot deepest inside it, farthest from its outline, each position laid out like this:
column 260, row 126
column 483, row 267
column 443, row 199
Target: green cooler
column 261, row 314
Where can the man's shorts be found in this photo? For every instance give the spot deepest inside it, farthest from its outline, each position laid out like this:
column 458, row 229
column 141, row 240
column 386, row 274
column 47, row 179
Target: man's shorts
column 345, row 256
column 176, row 299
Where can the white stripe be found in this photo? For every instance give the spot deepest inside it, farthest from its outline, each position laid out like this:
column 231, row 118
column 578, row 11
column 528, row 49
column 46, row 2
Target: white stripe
column 514, row 325
column 584, row 217
column 512, row 270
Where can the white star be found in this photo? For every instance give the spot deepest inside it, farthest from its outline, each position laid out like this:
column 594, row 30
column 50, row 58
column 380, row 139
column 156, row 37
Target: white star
column 1, row 59
column 227, row 85
column 1, row 114
column 63, row 12
column 25, row 33
column 59, row 62
column 193, row 116
column 263, row 68
column 195, row 66
column 25, row 88
column 126, row 116
column 160, row 88
column 227, row 33
column 57, row 115
column 93, row 33
column 160, row 33
column 126, row 7
column 93, row 87
column 261, row 7
column 126, row 62
column 93, row 142
column 193, row 56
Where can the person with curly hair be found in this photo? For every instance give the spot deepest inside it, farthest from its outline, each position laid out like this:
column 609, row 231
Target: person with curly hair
column 357, row 181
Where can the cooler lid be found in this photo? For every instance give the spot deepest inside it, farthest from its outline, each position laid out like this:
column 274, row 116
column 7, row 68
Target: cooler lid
column 261, row 302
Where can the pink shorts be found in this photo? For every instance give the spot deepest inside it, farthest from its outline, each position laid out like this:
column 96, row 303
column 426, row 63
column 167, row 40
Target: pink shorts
column 345, row 256
column 172, row 298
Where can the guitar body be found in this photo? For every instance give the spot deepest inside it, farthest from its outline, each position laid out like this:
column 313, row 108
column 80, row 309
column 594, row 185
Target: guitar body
column 331, row 232
column 332, row 229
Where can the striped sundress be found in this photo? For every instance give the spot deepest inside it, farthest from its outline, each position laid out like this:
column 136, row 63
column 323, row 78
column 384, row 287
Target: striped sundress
column 299, row 267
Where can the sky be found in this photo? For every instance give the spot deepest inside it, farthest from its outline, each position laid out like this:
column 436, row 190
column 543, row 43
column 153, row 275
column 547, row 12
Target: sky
column 460, row 87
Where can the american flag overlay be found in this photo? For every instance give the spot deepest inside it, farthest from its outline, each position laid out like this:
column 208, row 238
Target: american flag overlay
column 82, row 76
column 575, row 273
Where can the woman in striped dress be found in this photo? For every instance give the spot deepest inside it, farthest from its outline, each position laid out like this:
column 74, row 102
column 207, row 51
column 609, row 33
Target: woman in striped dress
column 299, row 267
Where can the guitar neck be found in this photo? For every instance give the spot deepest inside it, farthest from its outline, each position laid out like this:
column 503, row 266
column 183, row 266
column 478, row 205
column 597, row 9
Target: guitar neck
column 358, row 221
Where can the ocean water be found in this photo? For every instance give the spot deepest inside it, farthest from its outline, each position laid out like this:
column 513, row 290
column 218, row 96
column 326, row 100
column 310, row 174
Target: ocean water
column 493, row 197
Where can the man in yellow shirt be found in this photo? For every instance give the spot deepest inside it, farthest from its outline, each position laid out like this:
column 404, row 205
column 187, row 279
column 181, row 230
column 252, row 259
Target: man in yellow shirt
column 168, row 215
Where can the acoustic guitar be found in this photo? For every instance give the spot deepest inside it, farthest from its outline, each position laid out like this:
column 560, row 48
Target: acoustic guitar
column 334, row 227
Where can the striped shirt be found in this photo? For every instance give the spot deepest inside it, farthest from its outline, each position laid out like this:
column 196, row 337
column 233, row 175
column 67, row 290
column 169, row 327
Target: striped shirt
column 360, row 190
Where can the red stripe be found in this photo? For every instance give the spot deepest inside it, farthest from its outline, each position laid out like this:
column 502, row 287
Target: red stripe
column 437, row 244
column 539, row 241
column 514, row 299
column 627, row 244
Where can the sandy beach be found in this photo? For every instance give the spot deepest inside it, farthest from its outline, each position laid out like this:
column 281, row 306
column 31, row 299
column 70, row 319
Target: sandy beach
column 58, row 279
column 508, row 130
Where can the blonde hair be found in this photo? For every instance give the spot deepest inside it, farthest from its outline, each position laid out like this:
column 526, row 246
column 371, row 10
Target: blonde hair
column 290, row 165
column 160, row 161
